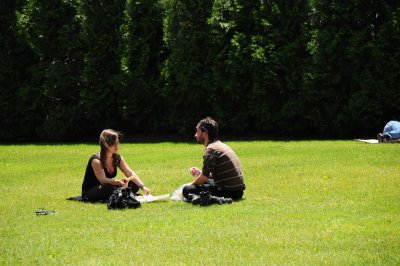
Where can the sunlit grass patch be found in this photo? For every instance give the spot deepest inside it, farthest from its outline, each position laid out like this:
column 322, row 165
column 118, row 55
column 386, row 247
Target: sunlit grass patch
column 306, row 202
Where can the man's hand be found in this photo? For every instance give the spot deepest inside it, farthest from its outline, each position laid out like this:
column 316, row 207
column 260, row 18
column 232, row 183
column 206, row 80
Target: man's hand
column 194, row 171
column 200, row 180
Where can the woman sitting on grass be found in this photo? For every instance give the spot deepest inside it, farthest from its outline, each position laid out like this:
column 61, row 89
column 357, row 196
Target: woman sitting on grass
column 98, row 183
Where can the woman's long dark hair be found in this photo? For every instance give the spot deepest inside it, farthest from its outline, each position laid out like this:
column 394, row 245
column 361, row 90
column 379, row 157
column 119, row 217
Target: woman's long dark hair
column 108, row 138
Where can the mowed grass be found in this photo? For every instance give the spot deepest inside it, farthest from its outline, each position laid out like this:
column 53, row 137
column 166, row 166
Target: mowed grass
column 306, row 203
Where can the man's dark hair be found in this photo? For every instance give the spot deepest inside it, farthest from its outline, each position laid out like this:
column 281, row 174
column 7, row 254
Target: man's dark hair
column 210, row 126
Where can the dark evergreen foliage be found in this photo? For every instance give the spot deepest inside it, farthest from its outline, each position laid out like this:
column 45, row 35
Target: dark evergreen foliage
column 101, row 74
column 18, row 102
column 51, row 93
column 187, row 91
column 291, row 69
column 141, row 105
column 352, row 62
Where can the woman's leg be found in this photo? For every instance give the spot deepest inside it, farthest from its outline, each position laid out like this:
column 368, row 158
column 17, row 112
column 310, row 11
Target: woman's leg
column 99, row 193
column 134, row 187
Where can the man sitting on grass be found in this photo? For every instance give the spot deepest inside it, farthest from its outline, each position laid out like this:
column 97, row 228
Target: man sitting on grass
column 222, row 173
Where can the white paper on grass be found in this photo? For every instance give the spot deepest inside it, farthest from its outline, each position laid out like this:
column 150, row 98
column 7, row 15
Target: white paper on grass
column 150, row 198
column 371, row 141
column 375, row 141
column 178, row 194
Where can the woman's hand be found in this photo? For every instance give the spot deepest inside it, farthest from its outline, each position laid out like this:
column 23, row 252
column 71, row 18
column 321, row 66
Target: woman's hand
column 146, row 190
column 123, row 182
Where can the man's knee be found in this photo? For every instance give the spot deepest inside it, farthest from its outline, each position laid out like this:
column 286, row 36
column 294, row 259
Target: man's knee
column 190, row 189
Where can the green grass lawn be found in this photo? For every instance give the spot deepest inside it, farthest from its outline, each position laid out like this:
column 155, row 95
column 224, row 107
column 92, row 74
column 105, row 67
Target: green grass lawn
column 306, row 203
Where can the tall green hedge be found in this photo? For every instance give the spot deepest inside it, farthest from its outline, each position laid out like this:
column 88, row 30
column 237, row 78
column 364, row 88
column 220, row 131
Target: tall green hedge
column 143, row 53
column 280, row 68
column 17, row 99
column 355, row 67
column 53, row 32
column 187, row 90
column 101, row 21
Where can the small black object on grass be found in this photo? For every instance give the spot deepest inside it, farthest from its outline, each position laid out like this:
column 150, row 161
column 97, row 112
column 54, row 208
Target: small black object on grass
column 43, row 211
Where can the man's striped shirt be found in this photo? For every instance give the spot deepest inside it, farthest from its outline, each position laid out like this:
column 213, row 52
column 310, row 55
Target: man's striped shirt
column 223, row 166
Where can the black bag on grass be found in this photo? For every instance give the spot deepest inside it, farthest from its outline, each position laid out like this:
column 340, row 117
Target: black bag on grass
column 123, row 198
